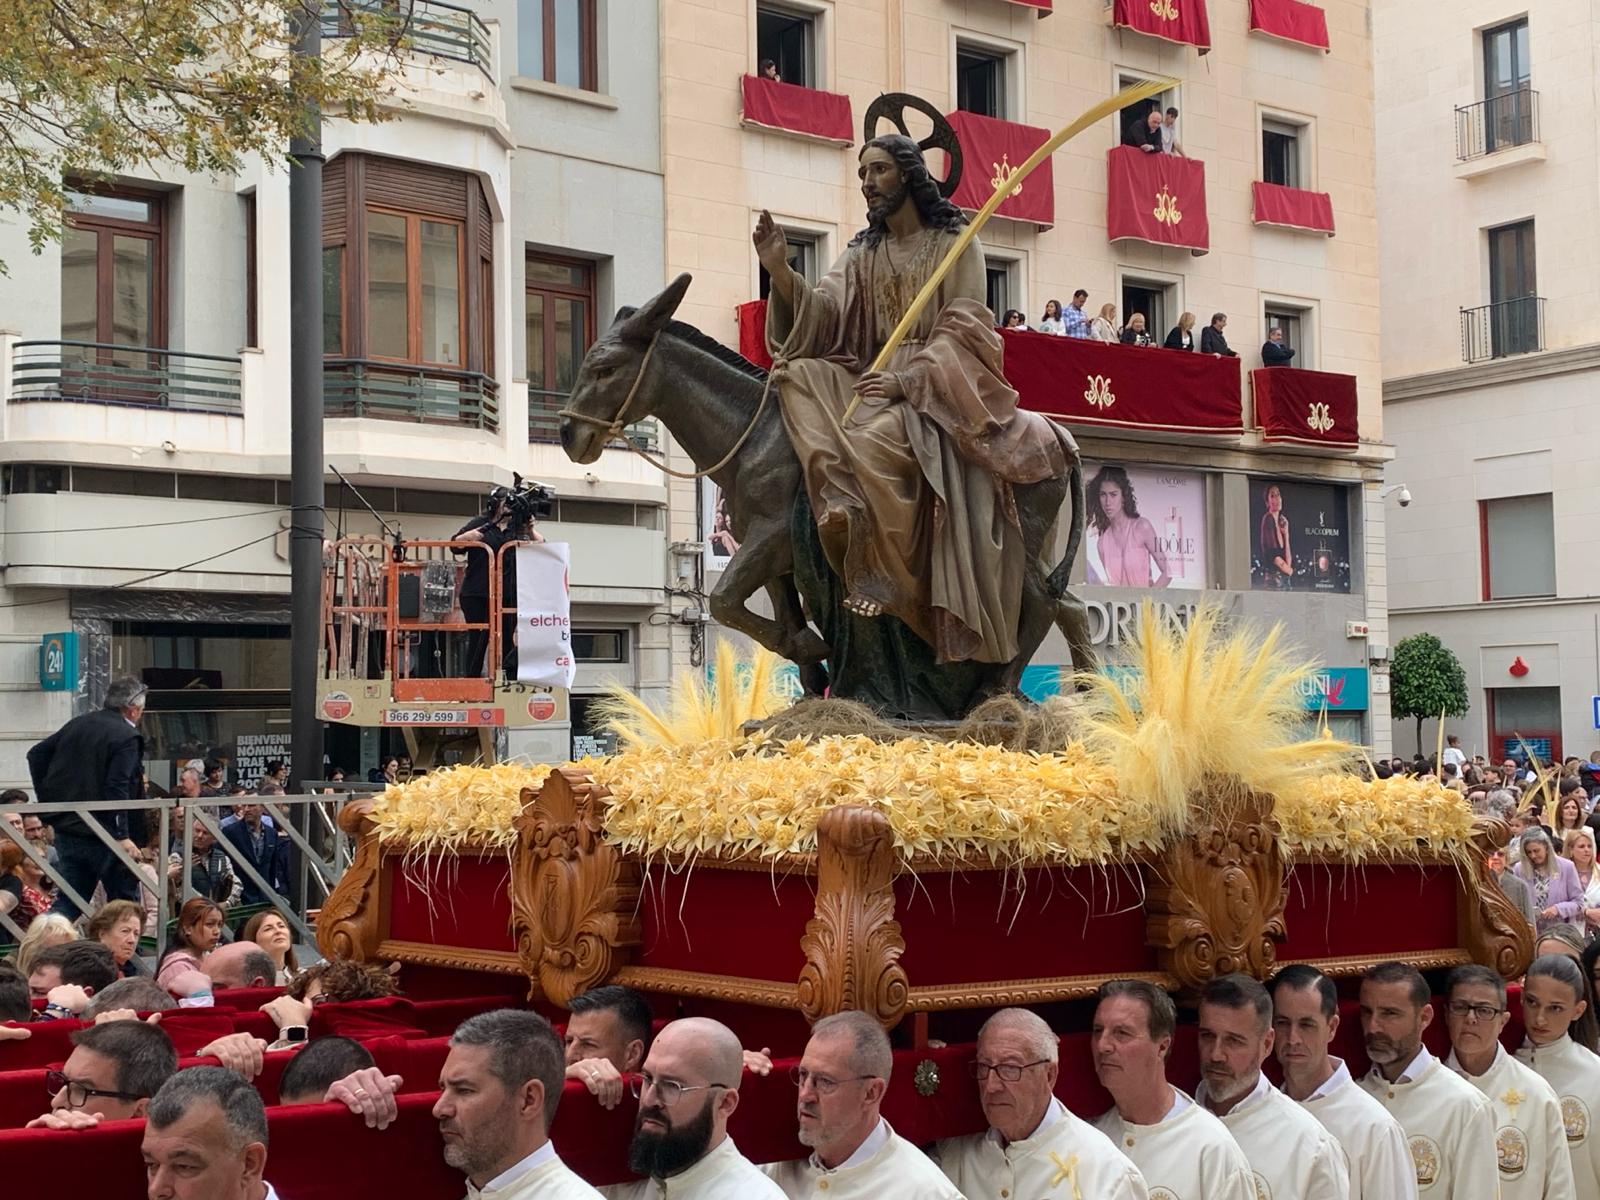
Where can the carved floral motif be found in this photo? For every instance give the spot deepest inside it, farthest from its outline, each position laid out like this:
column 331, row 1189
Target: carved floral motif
column 348, row 926
column 1491, row 928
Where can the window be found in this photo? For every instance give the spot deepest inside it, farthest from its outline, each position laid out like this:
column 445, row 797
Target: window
column 1287, row 320
column 1156, row 299
column 1136, row 114
column 805, row 256
column 1298, row 327
column 1513, row 290
column 556, row 42
column 250, row 335
column 112, row 271
column 559, row 322
column 1525, row 717
column 600, row 645
column 333, row 300
column 981, row 80
column 788, row 37
column 1280, row 153
column 1519, row 547
column 1508, row 117
column 1002, row 285
column 414, row 288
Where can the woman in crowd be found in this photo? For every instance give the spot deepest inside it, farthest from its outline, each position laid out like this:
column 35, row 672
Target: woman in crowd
column 199, row 931
column 1181, row 336
column 1051, row 321
column 21, row 897
column 1569, row 815
column 1578, row 846
column 388, row 772
column 48, row 929
column 1135, row 334
column 1103, row 326
column 116, row 925
column 271, row 932
column 1559, row 1044
column 1560, row 938
column 211, row 872
column 1551, row 879
column 342, row 980
column 1014, row 319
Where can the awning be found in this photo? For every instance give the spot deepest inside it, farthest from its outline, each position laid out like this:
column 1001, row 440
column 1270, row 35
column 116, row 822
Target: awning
column 1172, row 20
column 787, row 106
column 1306, row 408
column 1291, row 20
column 993, row 149
column 1157, row 198
column 1292, row 208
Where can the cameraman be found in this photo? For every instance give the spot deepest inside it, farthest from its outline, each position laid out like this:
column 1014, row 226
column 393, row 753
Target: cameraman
column 489, row 529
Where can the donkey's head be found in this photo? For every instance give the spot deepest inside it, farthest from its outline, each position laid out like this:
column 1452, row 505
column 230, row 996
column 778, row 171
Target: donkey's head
column 612, row 372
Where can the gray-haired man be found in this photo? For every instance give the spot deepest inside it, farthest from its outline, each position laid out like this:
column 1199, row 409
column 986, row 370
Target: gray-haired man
column 205, row 1138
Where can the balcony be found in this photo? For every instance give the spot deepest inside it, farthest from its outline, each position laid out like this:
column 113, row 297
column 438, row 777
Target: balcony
column 544, row 422
column 992, row 150
column 427, row 27
column 790, row 108
column 1502, row 329
column 1297, row 407
column 1500, row 132
column 130, row 376
column 1156, row 198
column 354, row 387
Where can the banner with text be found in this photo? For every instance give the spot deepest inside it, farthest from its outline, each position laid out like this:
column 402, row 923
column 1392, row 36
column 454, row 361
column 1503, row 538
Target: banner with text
column 1146, row 527
column 1300, row 536
column 544, row 615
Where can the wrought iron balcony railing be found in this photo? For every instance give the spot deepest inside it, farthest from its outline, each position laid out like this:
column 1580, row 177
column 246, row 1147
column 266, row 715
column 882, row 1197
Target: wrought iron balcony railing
column 426, row 26
column 544, row 423
column 1496, row 330
column 1498, row 123
column 359, row 387
column 139, row 376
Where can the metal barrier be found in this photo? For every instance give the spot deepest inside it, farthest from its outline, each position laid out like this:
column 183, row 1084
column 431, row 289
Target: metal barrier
column 1496, row 330
column 359, row 387
column 430, row 27
column 544, row 422
column 1497, row 123
column 140, row 376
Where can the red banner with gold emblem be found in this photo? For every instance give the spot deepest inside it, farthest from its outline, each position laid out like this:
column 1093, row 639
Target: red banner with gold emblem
column 1174, row 20
column 1291, row 20
column 1084, row 382
column 1158, row 198
column 798, row 109
column 993, row 150
column 752, row 318
column 1308, row 408
column 1292, row 208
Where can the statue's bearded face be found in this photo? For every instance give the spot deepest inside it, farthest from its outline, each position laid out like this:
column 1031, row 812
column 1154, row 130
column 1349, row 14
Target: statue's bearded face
column 882, row 183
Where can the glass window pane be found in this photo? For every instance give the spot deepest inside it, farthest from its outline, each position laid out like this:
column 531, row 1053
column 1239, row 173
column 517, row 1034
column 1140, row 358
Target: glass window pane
column 569, row 42
column 569, row 341
column 530, row 38
column 132, row 274
column 1522, row 550
column 333, row 299
column 441, row 293
column 121, row 208
column 387, row 316
column 573, row 275
column 80, row 270
column 535, row 333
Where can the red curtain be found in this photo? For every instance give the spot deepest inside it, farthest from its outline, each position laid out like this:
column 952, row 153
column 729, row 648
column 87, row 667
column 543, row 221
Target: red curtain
column 797, row 109
column 993, row 149
column 753, row 332
column 1174, row 20
column 1291, row 20
column 1293, row 208
column 1100, row 383
column 1042, row 5
column 1309, row 408
column 1158, row 198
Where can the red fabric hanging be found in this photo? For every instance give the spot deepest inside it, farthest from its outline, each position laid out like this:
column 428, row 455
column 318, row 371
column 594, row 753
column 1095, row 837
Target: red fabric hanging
column 752, row 318
column 1172, row 20
column 1159, row 198
column 1291, row 20
column 994, row 149
column 1293, row 208
column 797, row 109
column 1308, row 408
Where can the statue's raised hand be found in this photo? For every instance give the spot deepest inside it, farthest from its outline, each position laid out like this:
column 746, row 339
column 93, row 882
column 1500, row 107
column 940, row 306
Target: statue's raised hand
column 772, row 248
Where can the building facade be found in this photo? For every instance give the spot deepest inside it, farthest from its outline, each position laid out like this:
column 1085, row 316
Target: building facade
column 1486, row 143
column 473, row 245
column 1278, row 111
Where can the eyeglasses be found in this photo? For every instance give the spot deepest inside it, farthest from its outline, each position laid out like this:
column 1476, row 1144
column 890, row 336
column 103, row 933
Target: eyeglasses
column 78, row 1093
column 668, row 1091
column 1010, row 1072
column 1481, row 1012
column 825, row 1085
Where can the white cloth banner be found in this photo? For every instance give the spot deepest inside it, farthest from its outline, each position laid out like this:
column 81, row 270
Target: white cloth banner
column 544, row 615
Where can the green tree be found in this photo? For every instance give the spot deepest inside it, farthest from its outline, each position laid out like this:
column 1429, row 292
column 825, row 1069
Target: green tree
column 1426, row 679
column 90, row 89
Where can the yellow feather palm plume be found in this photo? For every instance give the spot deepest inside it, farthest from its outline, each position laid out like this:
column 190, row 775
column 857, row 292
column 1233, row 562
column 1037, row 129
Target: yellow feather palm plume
column 700, row 711
column 1199, row 704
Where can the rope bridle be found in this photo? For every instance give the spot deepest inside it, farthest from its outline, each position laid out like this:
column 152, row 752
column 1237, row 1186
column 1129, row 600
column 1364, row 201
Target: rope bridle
column 614, row 427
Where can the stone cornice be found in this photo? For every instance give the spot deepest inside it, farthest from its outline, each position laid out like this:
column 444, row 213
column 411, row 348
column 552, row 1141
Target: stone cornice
column 1493, row 373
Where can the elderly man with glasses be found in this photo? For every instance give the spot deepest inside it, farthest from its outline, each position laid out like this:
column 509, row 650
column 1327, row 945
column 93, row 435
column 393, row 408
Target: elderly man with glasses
column 855, row 1155
column 1034, row 1146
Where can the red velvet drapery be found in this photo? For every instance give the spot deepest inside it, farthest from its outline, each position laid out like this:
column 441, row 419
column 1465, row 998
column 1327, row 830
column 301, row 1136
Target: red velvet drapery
column 1159, row 198
column 1308, row 408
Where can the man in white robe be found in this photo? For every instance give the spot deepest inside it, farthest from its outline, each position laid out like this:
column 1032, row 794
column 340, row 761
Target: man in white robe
column 1183, row 1152
column 855, row 1154
column 499, row 1089
column 1034, row 1147
column 1290, row 1154
column 1530, row 1138
column 1448, row 1122
column 1305, row 1018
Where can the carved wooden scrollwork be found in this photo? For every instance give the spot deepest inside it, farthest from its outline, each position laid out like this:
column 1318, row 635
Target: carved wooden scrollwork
column 350, row 924
column 573, row 897
column 853, row 944
column 1491, row 928
column 1217, row 898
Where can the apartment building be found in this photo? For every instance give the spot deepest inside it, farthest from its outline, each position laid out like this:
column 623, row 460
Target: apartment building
column 473, row 245
column 1488, row 171
column 1270, row 217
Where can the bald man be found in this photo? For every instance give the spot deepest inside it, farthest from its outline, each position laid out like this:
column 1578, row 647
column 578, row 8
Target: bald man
column 688, row 1089
column 238, row 965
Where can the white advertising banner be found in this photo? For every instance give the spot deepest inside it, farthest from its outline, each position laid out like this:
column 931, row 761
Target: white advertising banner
column 544, row 615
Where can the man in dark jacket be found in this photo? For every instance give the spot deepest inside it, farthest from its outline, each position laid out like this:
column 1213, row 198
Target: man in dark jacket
column 1273, row 352
column 1145, row 132
column 98, row 756
column 1211, row 339
column 264, row 848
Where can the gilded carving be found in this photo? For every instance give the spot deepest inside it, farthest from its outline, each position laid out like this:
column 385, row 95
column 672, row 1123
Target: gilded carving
column 350, row 924
column 853, row 944
column 1489, row 925
column 573, row 897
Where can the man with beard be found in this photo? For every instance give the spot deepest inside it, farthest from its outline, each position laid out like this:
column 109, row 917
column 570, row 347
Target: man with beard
column 499, row 1089
column 1305, row 1018
column 687, row 1090
column 1033, row 1144
column 1449, row 1123
column 855, row 1154
column 1531, row 1136
column 1289, row 1152
column 1183, row 1152
column 912, row 499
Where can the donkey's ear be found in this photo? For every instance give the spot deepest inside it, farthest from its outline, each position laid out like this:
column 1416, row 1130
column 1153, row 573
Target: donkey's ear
column 649, row 318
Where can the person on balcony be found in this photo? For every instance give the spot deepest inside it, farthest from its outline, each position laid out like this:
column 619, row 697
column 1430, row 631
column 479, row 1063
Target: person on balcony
column 1273, row 352
column 1103, row 328
column 1145, row 132
column 1181, row 335
column 769, row 70
column 1014, row 319
column 1051, row 322
column 1169, row 134
column 1135, row 334
column 1211, row 339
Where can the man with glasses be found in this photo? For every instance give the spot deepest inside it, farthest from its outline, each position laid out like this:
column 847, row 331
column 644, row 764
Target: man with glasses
column 1034, row 1146
column 1531, row 1136
column 110, row 1075
column 688, row 1089
column 855, row 1154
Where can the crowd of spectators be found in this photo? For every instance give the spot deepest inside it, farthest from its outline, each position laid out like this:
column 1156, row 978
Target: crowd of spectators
column 1074, row 321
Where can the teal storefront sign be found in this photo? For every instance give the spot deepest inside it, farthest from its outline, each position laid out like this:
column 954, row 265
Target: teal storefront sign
column 1338, row 689
column 58, row 662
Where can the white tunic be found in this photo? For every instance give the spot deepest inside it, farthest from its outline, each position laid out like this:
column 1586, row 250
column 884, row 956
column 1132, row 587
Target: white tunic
column 540, row 1176
column 1190, row 1155
column 1374, row 1144
column 1449, row 1125
column 884, row 1168
column 1574, row 1072
column 1529, row 1137
column 723, row 1174
column 1065, row 1157
column 1290, row 1154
